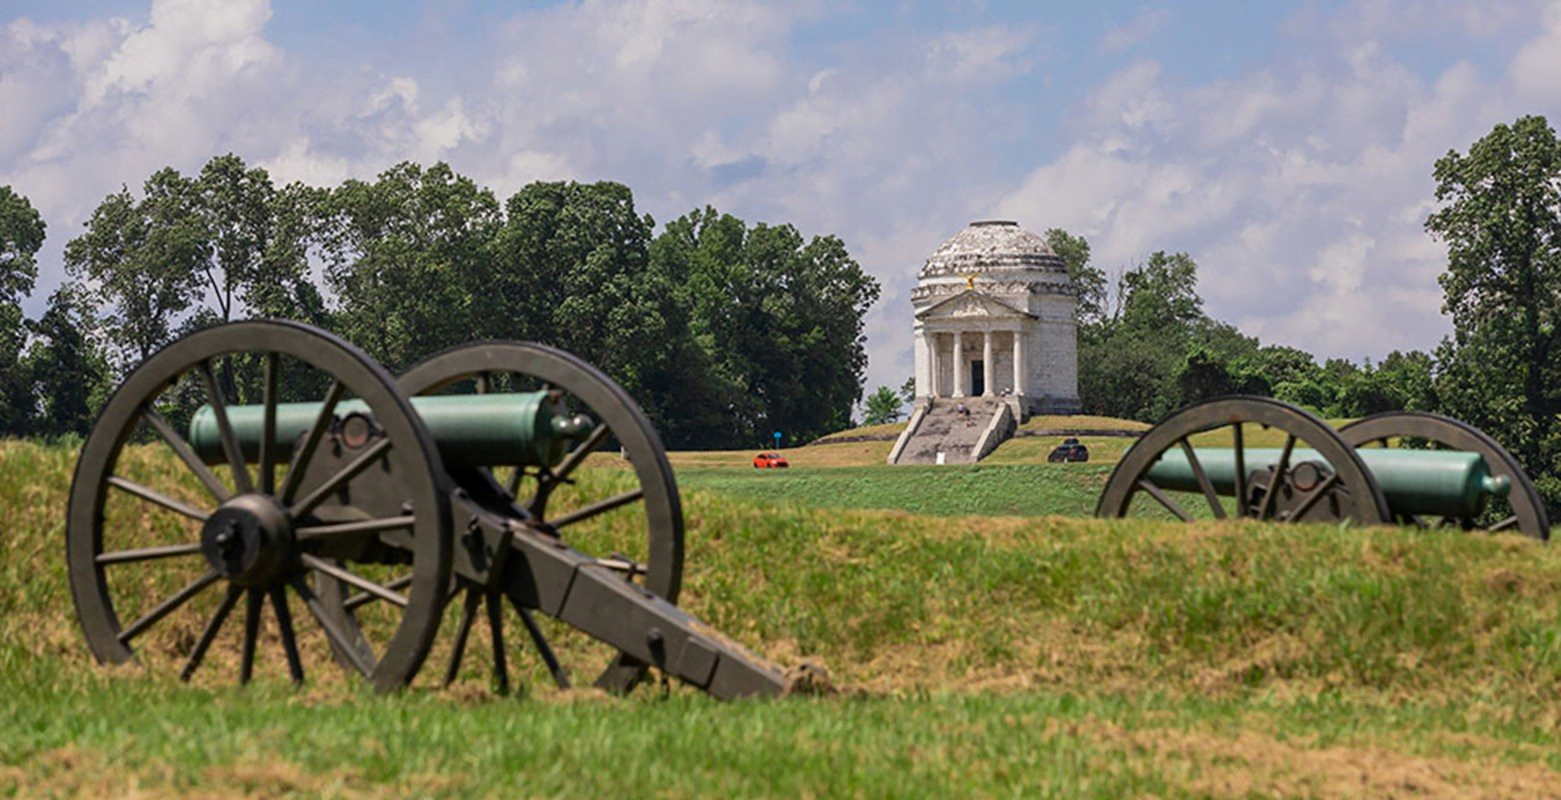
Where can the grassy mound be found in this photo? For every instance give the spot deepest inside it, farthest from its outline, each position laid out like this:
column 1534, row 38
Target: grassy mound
column 979, row 654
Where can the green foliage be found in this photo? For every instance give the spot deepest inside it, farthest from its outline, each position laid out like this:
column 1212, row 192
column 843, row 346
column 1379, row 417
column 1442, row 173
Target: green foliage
column 778, row 319
column 143, row 262
column 1089, row 282
column 722, row 331
column 575, row 271
column 1132, row 363
column 1501, row 221
column 68, row 372
column 883, row 406
column 21, row 235
column 406, row 256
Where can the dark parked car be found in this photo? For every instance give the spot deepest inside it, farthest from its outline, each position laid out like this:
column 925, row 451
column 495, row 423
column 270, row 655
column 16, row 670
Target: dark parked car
column 1069, row 450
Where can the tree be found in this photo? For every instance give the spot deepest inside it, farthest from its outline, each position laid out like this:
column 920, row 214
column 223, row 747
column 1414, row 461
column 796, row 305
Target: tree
column 21, row 236
column 1131, row 363
column 780, row 320
column 1501, row 222
column 66, row 370
column 410, row 259
column 908, row 391
column 882, row 406
column 1089, row 282
column 193, row 252
column 143, row 261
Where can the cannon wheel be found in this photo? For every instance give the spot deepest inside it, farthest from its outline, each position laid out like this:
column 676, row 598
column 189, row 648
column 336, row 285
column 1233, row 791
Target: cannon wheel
column 245, row 533
column 1528, row 509
column 479, row 366
column 1361, row 498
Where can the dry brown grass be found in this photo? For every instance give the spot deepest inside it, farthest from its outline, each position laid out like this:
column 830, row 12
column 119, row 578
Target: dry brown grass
column 1256, row 762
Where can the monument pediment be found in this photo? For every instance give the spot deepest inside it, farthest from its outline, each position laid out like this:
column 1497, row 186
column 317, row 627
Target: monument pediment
column 972, row 303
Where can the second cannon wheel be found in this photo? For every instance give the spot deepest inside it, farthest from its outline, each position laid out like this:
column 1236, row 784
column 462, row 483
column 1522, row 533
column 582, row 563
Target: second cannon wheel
column 1523, row 509
column 628, row 514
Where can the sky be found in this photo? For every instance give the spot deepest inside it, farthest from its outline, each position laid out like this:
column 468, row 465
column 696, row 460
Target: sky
column 1286, row 146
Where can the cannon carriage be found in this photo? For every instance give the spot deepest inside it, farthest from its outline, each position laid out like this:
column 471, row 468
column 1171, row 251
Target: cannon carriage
column 365, row 510
column 1407, row 467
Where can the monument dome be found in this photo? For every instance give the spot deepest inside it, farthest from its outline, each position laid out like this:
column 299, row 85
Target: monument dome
column 994, row 246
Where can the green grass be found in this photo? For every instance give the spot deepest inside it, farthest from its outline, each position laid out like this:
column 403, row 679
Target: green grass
column 996, row 489
column 994, row 653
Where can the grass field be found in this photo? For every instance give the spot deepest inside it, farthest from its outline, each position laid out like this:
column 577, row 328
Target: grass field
column 987, row 641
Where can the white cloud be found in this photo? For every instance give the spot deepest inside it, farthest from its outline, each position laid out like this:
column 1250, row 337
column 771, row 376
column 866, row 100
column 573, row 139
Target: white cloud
column 1301, row 188
column 1148, row 22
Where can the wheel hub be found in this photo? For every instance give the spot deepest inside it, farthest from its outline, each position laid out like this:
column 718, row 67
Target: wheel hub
column 248, row 539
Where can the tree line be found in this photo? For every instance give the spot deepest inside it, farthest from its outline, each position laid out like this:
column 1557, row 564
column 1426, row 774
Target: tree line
column 723, row 330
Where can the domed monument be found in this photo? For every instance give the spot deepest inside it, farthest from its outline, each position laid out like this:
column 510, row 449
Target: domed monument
column 996, row 341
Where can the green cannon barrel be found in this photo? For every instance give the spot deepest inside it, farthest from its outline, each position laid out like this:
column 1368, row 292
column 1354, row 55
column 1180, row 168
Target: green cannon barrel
column 1448, row 483
column 523, row 428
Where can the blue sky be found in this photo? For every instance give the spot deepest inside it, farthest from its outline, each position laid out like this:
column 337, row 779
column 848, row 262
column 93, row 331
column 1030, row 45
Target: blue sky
column 1287, row 146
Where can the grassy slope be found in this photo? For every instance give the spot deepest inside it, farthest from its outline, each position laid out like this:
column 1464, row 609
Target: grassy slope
column 981, row 655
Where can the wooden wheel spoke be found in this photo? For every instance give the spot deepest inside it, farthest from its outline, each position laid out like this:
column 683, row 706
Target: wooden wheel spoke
column 468, row 616
column 364, row 598
column 1509, row 522
column 484, row 382
column 1204, row 483
column 246, row 668
column 284, row 623
column 342, row 642
column 208, row 635
column 182, row 448
column 148, row 553
column 1241, row 471
column 349, row 528
column 167, row 607
column 599, row 507
column 576, row 456
column 1276, row 479
column 347, row 473
column 158, row 498
column 560, row 676
column 1164, row 500
column 268, row 427
column 496, row 636
column 512, row 487
column 305, row 454
column 323, row 566
column 230, row 443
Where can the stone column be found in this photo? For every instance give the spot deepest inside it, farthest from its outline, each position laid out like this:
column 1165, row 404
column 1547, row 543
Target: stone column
column 932, row 363
column 1019, row 374
column 959, row 363
column 986, row 364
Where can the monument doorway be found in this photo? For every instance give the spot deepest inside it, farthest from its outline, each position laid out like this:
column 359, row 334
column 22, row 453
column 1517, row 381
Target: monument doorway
column 978, row 377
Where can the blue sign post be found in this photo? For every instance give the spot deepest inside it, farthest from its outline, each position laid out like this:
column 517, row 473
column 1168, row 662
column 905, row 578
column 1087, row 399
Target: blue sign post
column 777, row 440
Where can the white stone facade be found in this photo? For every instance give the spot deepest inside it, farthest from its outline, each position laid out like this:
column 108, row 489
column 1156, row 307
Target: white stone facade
column 994, row 312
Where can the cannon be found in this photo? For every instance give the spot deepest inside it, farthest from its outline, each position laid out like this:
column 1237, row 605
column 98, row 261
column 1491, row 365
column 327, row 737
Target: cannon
column 309, row 476
column 1408, row 467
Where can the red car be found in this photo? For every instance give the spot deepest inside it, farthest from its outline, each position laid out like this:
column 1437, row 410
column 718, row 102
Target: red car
column 769, row 461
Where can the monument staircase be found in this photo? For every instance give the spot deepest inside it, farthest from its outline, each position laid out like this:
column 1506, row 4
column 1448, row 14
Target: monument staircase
column 936, row 427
